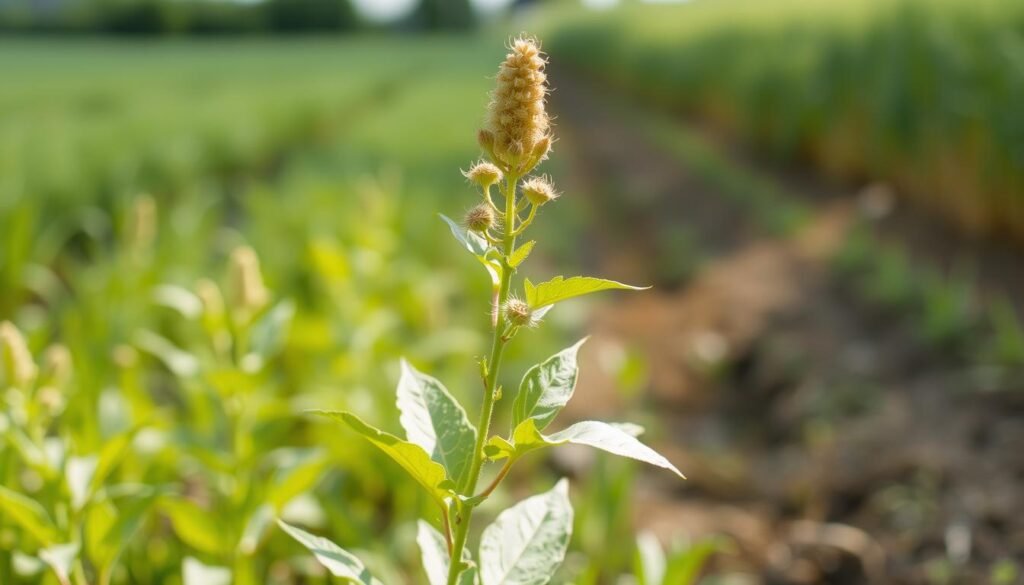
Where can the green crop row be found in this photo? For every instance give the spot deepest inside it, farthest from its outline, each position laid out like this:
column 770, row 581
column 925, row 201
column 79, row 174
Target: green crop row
column 924, row 94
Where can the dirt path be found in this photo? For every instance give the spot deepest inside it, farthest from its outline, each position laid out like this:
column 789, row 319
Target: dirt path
column 817, row 433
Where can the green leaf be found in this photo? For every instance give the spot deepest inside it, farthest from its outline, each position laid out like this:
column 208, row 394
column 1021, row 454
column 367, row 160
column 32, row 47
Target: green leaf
column 434, row 420
column 468, row 576
column 613, row 438
column 179, row 299
column 469, row 240
column 430, row 474
column 109, row 528
column 268, row 335
column 521, row 253
column 433, row 552
column 194, row 572
column 60, row 557
column 196, row 527
column 78, row 474
column 337, row 560
column 546, row 388
column 559, row 289
column 110, row 455
column 650, row 560
column 28, row 514
column 527, row 542
column 298, row 471
column 255, row 528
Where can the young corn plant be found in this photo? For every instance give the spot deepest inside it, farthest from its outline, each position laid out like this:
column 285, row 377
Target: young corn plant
column 442, row 450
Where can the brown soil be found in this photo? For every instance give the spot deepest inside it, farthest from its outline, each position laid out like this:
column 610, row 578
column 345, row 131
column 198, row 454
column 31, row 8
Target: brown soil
column 816, row 431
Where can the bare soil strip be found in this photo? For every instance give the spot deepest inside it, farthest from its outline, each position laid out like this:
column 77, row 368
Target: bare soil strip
column 817, row 431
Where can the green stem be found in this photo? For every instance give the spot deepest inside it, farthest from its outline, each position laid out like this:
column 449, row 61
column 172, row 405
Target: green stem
column 464, row 512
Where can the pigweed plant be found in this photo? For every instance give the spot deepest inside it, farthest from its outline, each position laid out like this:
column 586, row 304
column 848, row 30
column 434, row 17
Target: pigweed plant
column 443, row 451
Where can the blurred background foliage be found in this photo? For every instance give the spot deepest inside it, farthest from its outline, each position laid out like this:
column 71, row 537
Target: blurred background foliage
column 707, row 147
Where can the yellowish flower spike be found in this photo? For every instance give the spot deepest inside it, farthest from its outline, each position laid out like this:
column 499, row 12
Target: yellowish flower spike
column 17, row 361
column 539, row 190
column 517, row 120
column 250, row 294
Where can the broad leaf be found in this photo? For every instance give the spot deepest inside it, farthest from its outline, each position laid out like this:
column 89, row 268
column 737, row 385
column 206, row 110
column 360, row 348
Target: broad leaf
column 337, row 560
column 78, row 474
column 28, row 514
column 196, row 527
column 469, row 240
column 527, row 542
column 560, row 288
column 434, row 420
column 650, row 560
column 109, row 528
column 298, row 471
column 60, row 558
column 612, row 438
column 430, row 474
column 194, row 572
column 521, row 253
column 546, row 388
column 468, row 576
column 433, row 552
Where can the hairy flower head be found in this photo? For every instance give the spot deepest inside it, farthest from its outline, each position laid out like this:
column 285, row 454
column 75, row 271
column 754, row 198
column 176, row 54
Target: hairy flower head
column 539, row 190
column 516, row 117
column 480, row 218
column 15, row 356
column 484, row 174
column 246, row 280
column 518, row 313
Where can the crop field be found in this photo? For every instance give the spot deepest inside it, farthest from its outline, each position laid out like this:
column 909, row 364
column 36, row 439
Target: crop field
column 224, row 282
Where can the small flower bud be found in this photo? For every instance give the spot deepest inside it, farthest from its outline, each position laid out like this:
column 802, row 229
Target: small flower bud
column 539, row 190
column 481, row 218
column 484, row 174
column 247, row 286
column 518, row 313
column 15, row 357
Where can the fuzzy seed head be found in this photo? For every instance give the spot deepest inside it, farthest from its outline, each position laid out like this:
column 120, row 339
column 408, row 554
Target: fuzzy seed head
column 247, row 280
column 484, row 174
column 518, row 313
column 15, row 356
column 539, row 190
column 143, row 222
column 480, row 218
column 209, row 294
column 57, row 364
column 486, row 139
column 516, row 115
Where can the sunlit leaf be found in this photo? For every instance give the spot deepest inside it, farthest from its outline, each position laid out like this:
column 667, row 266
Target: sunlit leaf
column 430, row 474
column 612, row 438
column 527, row 542
column 560, row 288
column 180, row 299
column 194, row 572
column 335, row 559
column 433, row 552
column 28, row 514
column 255, row 528
column 469, row 240
column 434, row 420
column 521, row 253
column 195, row 526
column 78, row 474
column 546, row 388
column 650, row 560
column 60, row 558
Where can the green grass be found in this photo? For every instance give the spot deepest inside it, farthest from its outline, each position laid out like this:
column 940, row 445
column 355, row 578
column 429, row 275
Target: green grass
column 330, row 158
